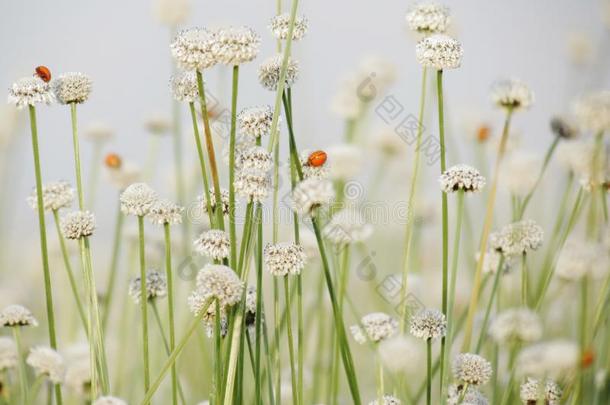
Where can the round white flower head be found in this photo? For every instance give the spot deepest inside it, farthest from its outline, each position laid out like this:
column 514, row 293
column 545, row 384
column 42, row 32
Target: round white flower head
column 30, row 91
column 471, row 369
column 269, row 72
column 250, row 305
column 593, row 111
column 439, row 51
column 511, row 93
column 158, row 125
column 224, row 198
column 517, row 238
column 171, row 13
column 214, row 244
column 220, row 282
column 553, row 359
column 311, row 171
column 284, row 258
column 8, row 353
column 254, row 158
column 428, row 324
column 184, row 87
column 387, row 400
column 377, row 326
column 491, row 262
column 472, row 396
column 197, row 303
column 98, row 132
column 156, row 286
column 520, row 325
column 579, row 258
column 310, row 194
column 461, row 177
column 564, row 128
column 253, row 185
column 530, row 392
column 109, row 401
column 77, row 224
column 165, row 212
column 280, row 24
column 428, row 18
column 347, row 226
column 138, row 199
column 255, row 121
column 193, row 49
column 346, row 159
column 48, row 363
column 401, row 353
column 17, row 315
column 236, row 45
column 519, row 172
column 72, row 87
column 55, row 195
column 78, row 377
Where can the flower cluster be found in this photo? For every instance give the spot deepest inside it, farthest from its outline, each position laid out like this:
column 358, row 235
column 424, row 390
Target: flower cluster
column 284, row 258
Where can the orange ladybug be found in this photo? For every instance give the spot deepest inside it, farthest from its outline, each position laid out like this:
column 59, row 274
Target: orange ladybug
column 317, row 158
column 483, row 133
column 113, row 161
column 44, row 73
column 588, row 357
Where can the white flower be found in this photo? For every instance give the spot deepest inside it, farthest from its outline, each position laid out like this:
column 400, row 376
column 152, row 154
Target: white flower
column 439, row 51
column 72, row 87
column 511, row 93
column 29, row 91
column 516, row 325
column 55, row 195
column 471, row 369
column 137, row 199
column 192, row 49
column 214, row 244
column 377, row 326
column 491, row 261
column 530, row 391
column 220, row 282
column 428, row 324
column 461, row 177
column 284, row 258
column 428, row 18
column 8, row 353
column 77, row 224
column 593, row 111
column 184, row 87
column 347, row 226
column 253, row 185
column 224, row 199
column 269, row 72
column 255, row 121
column 579, row 258
column 78, row 376
column 280, row 24
column 386, row 400
column 254, row 158
column 401, row 354
column 552, row 359
column 236, row 45
column 48, row 363
column 17, row 315
column 165, row 212
column 155, row 283
column 472, row 396
column 311, row 194
column 517, row 238
column 520, row 172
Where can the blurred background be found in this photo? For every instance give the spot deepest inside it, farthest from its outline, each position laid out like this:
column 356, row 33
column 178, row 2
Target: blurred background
column 559, row 47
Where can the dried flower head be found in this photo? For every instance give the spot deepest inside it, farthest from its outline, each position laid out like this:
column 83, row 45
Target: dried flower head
column 165, row 212
column 472, row 396
column 214, row 244
column 17, row 315
column 374, row 327
column 138, row 199
column 156, row 286
column 77, row 224
column 516, row 325
column 517, row 238
column 224, row 198
column 254, row 158
column 511, row 93
column 284, row 258
column 72, row 87
column 8, row 353
column 109, row 401
column 461, row 177
column 593, row 111
column 193, row 49
column 347, row 226
column 471, row 369
column 269, row 72
column 236, row 45
column 220, row 283
column 386, row 400
column 531, row 391
column 428, row 324
column 48, row 363
column 55, row 195
column 310, row 194
column 563, row 128
column 280, row 25
column 253, row 185
column 439, row 51
column 255, row 121
column 30, row 91
column 184, row 87
column 428, row 18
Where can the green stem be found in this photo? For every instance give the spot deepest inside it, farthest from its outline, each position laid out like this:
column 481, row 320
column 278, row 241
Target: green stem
column 143, row 303
column 380, row 388
column 204, row 175
column 175, row 353
column 293, row 377
column 232, row 232
column 79, row 182
column 114, row 265
column 445, row 215
column 210, row 148
column 217, row 353
column 429, row 371
column 170, row 306
column 547, row 159
column 492, row 295
column 411, row 203
column 23, row 377
column 178, row 169
column 43, row 240
column 524, row 280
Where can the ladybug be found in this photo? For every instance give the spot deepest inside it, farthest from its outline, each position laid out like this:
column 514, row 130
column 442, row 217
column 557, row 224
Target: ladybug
column 44, row 73
column 113, row 161
column 483, row 133
column 317, row 158
column 588, row 357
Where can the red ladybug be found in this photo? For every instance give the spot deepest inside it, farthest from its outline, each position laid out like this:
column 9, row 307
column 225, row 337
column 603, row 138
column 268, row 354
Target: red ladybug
column 317, row 158
column 44, row 73
column 113, row 161
column 483, row 133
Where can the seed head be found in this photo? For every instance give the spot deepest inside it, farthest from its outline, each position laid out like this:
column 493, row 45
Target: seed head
column 77, row 224
column 255, row 121
column 377, row 326
column 253, row 185
column 461, row 177
column 165, row 212
column 184, row 87
column 471, row 369
column 30, row 91
column 284, row 258
column 593, row 111
column 530, row 392
column 137, row 199
column 280, row 24
column 193, row 49
column 517, row 238
column 72, row 87
column 236, row 45
column 220, row 282
column 214, row 244
column 254, row 158
column 269, row 72
column 428, row 18
column 55, row 195
column 439, row 51
column 387, row 400
column 48, row 363
column 428, row 324
column 17, row 315
column 224, row 198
